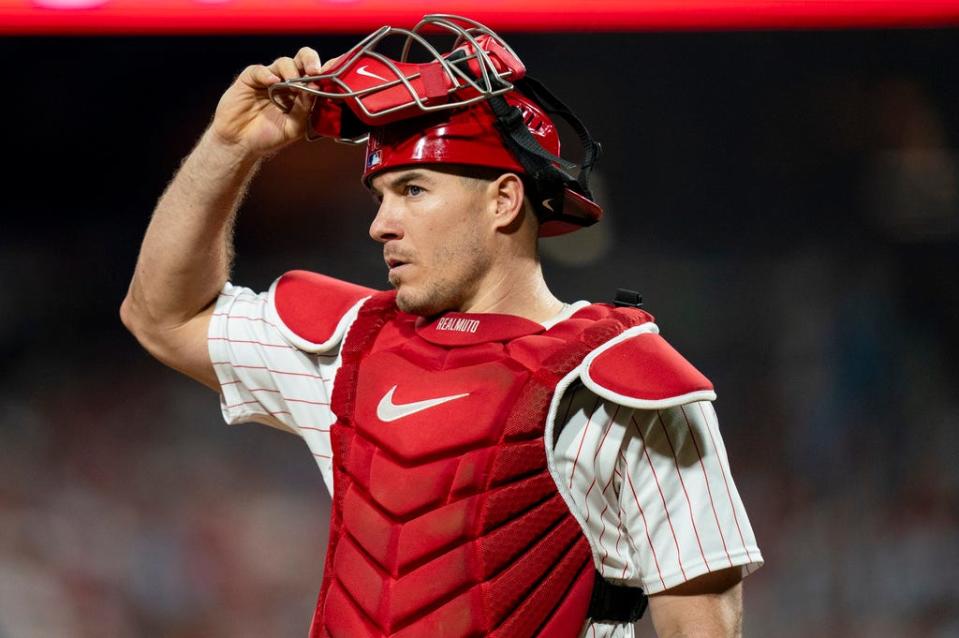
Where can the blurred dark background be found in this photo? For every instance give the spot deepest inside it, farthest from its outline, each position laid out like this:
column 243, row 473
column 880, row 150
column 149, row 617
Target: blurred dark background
column 787, row 202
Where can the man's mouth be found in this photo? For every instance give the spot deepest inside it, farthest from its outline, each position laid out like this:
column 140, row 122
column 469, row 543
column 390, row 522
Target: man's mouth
column 395, row 264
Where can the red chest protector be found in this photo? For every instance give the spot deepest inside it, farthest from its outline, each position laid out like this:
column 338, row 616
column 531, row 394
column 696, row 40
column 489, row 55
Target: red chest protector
column 446, row 521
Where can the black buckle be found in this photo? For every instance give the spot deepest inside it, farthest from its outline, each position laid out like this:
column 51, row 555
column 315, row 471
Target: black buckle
column 625, row 297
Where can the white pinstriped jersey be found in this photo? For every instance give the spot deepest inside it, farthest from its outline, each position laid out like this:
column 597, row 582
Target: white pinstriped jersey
column 652, row 488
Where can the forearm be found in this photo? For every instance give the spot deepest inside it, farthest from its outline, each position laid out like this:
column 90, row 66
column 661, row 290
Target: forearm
column 705, row 627
column 710, row 606
column 186, row 253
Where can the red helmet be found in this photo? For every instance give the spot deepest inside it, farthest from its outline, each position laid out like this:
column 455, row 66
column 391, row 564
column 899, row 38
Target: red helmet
column 465, row 136
column 463, row 107
column 469, row 136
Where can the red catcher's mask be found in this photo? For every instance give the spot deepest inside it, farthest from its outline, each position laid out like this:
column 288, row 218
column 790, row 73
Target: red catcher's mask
column 449, row 110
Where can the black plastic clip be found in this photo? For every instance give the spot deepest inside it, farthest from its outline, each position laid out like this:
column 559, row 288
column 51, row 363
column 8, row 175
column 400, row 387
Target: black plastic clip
column 629, row 298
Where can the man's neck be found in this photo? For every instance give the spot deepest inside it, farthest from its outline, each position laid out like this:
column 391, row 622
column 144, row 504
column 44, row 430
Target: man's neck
column 522, row 292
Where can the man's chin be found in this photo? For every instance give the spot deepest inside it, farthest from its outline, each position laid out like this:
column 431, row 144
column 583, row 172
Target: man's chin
column 410, row 306
column 407, row 302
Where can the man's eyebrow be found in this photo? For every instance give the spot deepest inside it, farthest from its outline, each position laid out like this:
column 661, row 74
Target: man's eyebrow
column 398, row 181
column 404, row 178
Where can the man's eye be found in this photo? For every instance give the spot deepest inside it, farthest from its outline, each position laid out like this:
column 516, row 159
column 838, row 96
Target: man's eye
column 412, row 189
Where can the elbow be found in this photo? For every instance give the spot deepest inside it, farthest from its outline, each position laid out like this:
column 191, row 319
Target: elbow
column 126, row 313
column 144, row 328
column 129, row 316
column 137, row 321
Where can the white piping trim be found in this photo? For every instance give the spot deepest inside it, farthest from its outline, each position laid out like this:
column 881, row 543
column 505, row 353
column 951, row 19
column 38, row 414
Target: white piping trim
column 568, row 311
column 634, row 402
column 305, row 344
column 650, row 404
column 558, row 393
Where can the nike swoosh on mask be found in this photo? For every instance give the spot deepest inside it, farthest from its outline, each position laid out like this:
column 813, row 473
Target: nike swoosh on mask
column 364, row 71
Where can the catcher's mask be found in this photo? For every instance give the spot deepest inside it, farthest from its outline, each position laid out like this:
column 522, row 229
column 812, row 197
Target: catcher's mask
column 473, row 105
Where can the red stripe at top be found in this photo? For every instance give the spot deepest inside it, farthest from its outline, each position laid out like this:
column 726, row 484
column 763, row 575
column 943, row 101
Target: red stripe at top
column 319, row 16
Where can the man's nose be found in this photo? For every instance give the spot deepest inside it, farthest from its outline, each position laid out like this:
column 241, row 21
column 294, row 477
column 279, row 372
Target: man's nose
column 386, row 224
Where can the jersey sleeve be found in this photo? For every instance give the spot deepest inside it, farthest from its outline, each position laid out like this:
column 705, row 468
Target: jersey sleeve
column 265, row 379
column 678, row 501
column 653, row 491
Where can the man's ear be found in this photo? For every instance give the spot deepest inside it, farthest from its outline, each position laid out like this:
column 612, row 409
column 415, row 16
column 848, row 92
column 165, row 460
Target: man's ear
column 510, row 193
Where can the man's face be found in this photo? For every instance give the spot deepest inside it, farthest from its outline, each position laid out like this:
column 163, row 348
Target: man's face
column 435, row 241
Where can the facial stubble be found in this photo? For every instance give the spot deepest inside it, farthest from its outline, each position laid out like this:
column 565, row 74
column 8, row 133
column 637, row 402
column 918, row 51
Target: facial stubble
column 451, row 280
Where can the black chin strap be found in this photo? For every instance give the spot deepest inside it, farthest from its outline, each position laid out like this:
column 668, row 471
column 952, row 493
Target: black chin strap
column 548, row 172
column 554, row 106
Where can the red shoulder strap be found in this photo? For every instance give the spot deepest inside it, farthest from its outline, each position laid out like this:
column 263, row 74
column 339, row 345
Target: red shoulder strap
column 639, row 369
column 312, row 310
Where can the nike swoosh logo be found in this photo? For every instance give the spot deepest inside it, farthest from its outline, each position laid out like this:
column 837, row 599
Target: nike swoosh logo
column 388, row 411
column 363, row 71
column 546, row 203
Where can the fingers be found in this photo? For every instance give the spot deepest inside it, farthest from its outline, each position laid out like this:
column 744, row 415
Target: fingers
column 286, row 68
column 290, row 69
column 329, row 63
column 258, row 76
column 308, row 60
column 305, row 63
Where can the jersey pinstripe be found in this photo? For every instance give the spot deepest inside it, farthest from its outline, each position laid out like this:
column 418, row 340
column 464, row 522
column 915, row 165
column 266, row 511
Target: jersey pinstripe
column 652, row 489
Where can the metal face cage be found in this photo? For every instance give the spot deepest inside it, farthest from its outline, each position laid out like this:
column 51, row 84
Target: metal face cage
column 379, row 90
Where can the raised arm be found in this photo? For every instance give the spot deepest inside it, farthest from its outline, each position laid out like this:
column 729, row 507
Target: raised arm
column 186, row 253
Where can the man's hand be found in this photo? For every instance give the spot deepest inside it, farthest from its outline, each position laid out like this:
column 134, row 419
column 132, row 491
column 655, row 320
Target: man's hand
column 246, row 118
column 710, row 606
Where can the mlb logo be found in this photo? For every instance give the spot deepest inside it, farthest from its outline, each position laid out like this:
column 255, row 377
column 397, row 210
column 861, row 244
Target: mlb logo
column 374, row 159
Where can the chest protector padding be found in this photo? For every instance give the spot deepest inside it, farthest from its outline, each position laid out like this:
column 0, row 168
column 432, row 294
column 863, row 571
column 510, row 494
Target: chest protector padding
column 446, row 522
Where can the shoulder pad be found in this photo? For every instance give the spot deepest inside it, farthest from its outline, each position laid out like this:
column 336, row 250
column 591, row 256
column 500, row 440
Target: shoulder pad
column 639, row 369
column 312, row 310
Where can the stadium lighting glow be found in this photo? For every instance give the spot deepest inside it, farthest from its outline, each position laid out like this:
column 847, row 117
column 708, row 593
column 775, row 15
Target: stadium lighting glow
column 317, row 16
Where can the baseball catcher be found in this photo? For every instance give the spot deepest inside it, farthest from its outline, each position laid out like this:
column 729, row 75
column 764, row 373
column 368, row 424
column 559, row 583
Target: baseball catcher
column 501, row 462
